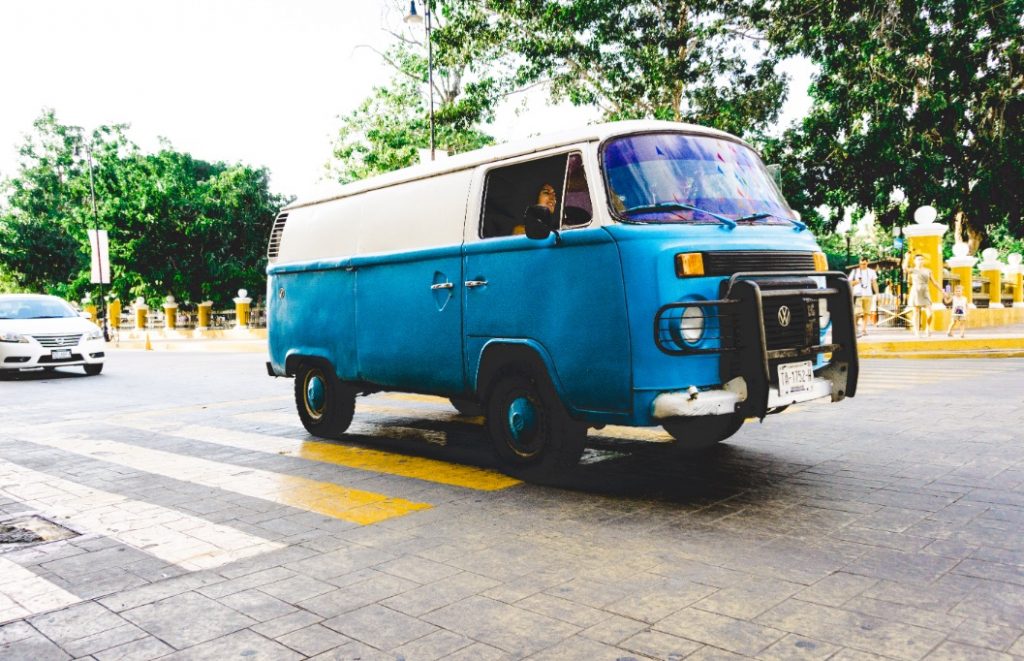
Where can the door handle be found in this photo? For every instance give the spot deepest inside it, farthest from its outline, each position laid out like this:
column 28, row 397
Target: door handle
column 442, row 285
column 475, row 283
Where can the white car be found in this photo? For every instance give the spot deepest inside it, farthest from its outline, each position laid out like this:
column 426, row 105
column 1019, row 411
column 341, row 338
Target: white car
column 44, row 331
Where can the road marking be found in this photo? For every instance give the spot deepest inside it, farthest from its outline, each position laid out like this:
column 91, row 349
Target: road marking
column 354, row 505
column 180, row 539
column 390, row 463
column 22, row 593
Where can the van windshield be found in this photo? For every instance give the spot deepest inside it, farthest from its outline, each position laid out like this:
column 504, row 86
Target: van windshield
column 679, row 178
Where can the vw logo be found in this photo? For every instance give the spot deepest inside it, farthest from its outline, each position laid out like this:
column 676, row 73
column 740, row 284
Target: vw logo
column 784, row 315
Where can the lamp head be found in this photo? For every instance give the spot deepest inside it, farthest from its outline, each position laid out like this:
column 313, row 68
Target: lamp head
column 960, row 249
column 1013, row 259
column 925, row 215
column 897, row 196
column 413, row 18
column 990, row 254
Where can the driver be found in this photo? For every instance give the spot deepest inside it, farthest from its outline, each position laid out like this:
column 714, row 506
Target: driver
column 546, row 197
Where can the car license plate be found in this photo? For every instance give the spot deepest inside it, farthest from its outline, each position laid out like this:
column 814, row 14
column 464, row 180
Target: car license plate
column 795, row 378
column 60, row 354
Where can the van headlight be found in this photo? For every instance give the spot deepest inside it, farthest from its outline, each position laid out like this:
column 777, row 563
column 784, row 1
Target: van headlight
column 824, row 316
column 691, row 324
column 13, row 337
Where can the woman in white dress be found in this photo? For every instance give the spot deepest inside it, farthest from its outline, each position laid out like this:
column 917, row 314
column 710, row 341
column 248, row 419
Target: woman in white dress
column 919, row 278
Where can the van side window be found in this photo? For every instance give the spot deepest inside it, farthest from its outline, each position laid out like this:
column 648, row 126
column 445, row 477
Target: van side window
column 556, row 182
column 577, row 209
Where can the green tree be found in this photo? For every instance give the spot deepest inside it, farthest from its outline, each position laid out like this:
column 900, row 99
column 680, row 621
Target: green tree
column 177, row 225
column 923, row 95
column 697, row 61
column 389, row 128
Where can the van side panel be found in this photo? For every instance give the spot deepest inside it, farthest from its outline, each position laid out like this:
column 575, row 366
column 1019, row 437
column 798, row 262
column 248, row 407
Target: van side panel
column 314, row 317
column 568, row 299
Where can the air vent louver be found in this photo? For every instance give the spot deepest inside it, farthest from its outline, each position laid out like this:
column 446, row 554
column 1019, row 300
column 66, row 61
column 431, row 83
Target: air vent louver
column 274, row 247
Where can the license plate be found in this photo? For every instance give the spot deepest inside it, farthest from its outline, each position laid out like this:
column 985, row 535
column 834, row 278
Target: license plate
column 795, row 378
column 60, row 354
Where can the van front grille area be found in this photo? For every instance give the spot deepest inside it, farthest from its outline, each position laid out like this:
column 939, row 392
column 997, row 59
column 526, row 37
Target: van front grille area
column 736, row 261
column 58, row 341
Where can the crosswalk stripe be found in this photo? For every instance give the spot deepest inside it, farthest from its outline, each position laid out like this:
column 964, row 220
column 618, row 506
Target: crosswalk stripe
column 354, row 505
column 22, row 593
column 175, row 537
column 430, row 470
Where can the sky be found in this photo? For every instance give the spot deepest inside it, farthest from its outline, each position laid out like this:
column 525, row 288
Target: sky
column 261, row 82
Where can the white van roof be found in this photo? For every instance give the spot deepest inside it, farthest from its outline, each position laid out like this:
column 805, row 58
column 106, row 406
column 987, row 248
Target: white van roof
column 471, row 159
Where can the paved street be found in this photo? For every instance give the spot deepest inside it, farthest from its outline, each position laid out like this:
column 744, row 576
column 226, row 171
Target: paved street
column 202, row 522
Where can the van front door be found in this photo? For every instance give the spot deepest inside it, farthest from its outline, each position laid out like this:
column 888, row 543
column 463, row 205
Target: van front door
column 567, row 301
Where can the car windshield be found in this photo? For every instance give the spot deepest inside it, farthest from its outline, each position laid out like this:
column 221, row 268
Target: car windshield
column 35, row 308
column 680, row 178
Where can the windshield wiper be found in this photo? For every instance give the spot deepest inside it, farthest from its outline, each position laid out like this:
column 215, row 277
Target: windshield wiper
column 678, row 206
column 47, row 316
column 800, row 227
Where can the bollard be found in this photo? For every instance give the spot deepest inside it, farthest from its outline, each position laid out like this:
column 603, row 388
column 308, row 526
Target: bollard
column 1016, row 275
column 114, row 314
column 170, row 313
column 205, row 311
column 242, row 309
column 141, row 311
column 992, row 269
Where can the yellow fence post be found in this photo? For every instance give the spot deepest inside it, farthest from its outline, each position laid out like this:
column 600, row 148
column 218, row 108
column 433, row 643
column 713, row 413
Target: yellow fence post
column 242, row 304
column 926, row 239
column 992, row 269
column 963, row 267
column 114, row 312
column 205, row 311
column 170, row 313
column 1016, row 274
column 141, row 311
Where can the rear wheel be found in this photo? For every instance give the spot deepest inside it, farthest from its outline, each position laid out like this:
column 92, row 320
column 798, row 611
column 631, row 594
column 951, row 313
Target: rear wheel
column 324, row 403
column 467, row 407
column 93, row 369
column 532, row 433
column 695, row 434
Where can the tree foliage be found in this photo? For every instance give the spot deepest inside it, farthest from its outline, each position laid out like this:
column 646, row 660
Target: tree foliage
column 390, row 127
column 177, row 225
column 698, row 61
column 922, row 95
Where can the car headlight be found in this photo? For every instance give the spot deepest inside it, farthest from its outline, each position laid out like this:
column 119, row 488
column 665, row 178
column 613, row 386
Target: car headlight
column 691, row 324
column 824, row 316
column 13, row 337
column 94, row 335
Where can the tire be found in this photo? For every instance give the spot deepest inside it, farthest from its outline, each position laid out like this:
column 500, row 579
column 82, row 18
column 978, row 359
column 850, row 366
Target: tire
column 94, row 369
column 467, row 407
column 532, row 433
column 325, row 405
column 701, row 433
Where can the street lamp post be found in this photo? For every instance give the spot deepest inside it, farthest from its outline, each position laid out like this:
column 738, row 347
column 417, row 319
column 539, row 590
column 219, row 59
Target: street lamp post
column 414, row 18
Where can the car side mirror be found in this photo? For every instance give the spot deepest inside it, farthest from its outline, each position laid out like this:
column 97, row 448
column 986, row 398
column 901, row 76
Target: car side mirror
column 538, row 222
column 576, row 216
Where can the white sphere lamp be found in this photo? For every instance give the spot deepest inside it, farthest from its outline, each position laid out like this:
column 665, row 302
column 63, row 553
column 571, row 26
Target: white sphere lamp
column 960, row 249
column 925, row 215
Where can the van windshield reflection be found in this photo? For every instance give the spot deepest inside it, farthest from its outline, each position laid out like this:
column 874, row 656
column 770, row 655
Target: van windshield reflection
column 679, row 178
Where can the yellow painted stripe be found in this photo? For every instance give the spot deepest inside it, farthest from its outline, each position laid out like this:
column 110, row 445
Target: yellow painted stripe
column 355, row 505
column 389, row 463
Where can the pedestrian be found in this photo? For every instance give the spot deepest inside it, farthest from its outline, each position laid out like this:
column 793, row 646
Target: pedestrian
column 865, row 287
column 919, row 278
column 959, row 312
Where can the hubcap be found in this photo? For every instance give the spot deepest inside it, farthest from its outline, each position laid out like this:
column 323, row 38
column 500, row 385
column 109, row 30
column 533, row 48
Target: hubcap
column 316, row 394
column 522, row 425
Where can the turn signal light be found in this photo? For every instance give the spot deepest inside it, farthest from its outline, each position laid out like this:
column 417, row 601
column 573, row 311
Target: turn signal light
column 689, row 264
column 820, row 262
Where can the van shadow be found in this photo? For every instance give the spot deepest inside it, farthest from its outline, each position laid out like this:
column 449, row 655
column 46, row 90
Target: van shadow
column 611, row 466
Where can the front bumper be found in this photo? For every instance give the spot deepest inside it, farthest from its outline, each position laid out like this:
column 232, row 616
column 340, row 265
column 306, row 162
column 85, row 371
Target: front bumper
column 33, row 355
column 750, row 356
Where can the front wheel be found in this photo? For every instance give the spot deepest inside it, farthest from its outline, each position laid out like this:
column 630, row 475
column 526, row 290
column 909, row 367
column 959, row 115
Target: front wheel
column 325, row 405
column 532, row 433
column 695, row 434
column 93, row 369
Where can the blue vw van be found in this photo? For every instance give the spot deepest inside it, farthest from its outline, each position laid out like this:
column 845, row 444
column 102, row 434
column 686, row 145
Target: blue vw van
column 631, row 273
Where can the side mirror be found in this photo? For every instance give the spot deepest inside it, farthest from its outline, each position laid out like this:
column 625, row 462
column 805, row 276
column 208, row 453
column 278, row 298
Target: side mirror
column 538, row 222
column 576, row 216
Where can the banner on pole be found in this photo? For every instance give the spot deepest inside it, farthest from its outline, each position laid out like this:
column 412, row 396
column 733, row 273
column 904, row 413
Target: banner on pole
column 100, row 257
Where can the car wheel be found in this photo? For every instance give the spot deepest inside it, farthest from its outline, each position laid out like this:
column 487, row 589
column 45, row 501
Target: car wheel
column 467, row 407
column 94, row 369
column 696, row 434
column 324, row 403
column 532, row 433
